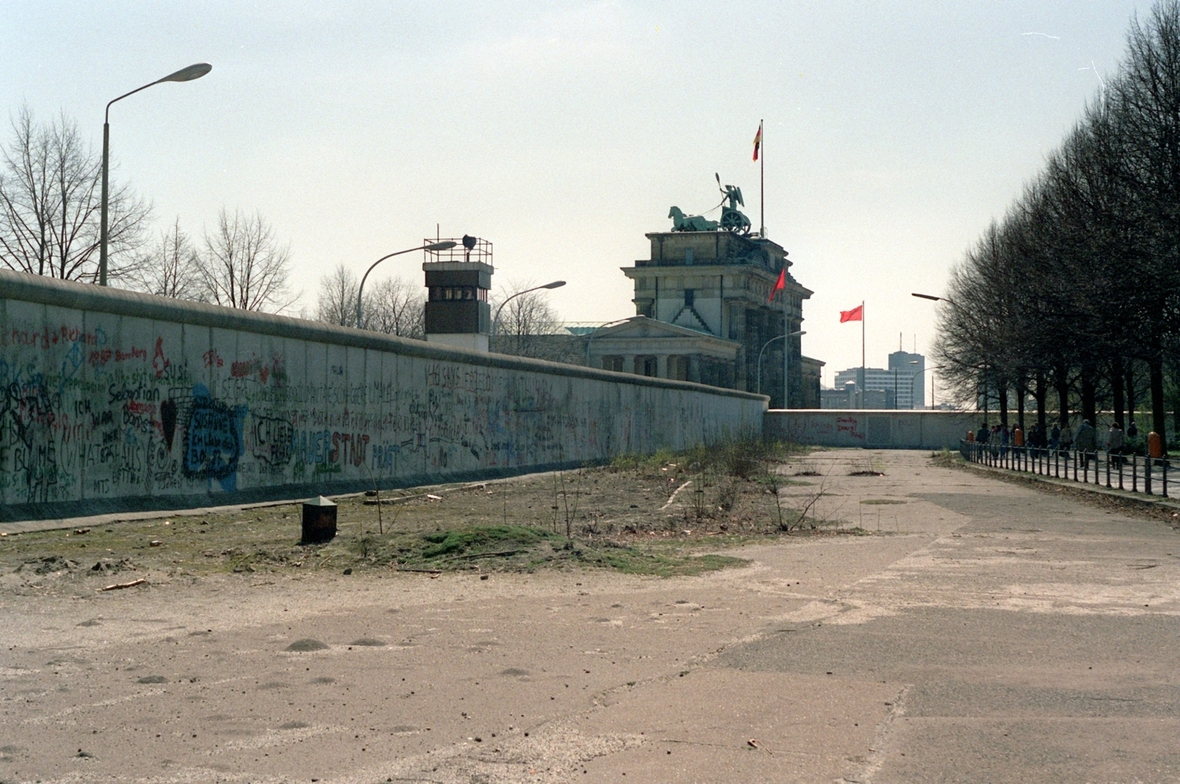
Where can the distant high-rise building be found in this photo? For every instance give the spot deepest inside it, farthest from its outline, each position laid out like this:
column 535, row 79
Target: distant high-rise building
column 903, row 383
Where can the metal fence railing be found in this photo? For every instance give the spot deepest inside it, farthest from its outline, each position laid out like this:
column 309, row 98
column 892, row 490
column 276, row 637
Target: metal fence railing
column 1135, row 473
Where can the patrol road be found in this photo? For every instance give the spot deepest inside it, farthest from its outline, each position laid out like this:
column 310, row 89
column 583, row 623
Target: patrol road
column 977, row 631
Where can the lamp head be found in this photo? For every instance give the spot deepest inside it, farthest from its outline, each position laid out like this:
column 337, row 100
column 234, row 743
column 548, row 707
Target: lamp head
column 554, row 285
column 195, row 71
column 446, row 245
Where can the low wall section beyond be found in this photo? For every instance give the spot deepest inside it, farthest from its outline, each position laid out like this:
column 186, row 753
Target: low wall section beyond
column 872, row 429
column 113, row 400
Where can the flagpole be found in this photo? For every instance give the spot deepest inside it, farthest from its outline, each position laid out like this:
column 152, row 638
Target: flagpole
column 786, row 348
column 862, row 352
column 762, row 187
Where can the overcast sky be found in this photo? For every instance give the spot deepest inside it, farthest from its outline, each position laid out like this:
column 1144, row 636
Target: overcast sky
column 563, row 131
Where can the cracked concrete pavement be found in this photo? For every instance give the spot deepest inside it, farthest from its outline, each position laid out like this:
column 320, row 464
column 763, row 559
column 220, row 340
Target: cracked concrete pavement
column 981, row 631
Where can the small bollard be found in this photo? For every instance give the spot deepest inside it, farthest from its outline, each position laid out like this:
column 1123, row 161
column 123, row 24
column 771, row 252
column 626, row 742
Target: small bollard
column 319, row 521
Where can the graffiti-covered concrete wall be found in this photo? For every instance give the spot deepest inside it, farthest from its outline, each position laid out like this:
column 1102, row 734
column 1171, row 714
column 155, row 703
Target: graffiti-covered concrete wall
column 114, row 399
column 873, row 429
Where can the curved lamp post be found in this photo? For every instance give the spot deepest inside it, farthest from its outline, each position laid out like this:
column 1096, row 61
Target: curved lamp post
column 598, row 329
column 952, row 303
column 763, row 349
column 915, row 376
column 496, row 321
column 361, row 289
column 183, row 75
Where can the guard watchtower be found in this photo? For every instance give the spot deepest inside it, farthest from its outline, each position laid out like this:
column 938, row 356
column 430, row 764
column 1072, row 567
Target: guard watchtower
column 457, row 283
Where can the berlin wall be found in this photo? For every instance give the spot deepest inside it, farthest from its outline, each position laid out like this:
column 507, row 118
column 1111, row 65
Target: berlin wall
column 868, row 428
column 113, row 400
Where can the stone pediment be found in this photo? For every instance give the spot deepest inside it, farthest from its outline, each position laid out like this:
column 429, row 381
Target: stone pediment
column 638, row 332
column 644, row 327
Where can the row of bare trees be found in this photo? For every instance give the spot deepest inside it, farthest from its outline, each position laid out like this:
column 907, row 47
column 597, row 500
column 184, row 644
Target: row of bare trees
column 1072, row 300
column 50, row 203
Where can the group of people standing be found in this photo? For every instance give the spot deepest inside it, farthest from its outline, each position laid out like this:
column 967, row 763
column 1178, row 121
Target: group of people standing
column 1061, row 437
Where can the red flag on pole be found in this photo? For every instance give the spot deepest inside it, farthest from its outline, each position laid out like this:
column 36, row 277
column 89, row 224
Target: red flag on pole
column 856, row 314
column 757, row 141
column 779, row 286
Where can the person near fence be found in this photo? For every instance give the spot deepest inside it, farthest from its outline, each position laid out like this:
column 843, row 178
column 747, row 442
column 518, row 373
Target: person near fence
column 1066, row 437
column 1036, row 438
column 983, row 434
column 1114, row 444
column 1004, row 439
column 1055, row 437
column 1086, row 441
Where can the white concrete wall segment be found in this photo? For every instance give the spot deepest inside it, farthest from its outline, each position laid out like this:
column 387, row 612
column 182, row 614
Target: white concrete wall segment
column 111, row 398
column 870, row 428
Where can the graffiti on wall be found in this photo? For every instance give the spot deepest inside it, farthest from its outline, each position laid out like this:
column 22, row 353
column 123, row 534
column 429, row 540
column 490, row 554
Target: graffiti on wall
column 114, row 406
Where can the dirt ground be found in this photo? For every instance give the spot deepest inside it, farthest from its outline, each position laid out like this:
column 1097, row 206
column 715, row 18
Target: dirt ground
column 656, row 516
column 440, row 651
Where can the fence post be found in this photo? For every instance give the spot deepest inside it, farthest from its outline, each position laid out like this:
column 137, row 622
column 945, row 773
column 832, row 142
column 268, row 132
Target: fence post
column 1134, row 473
column 1147, row 475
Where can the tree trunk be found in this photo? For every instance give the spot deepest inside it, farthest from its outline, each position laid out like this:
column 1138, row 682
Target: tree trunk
column 1116, row 387
column 1159, row 422
column 1131, row 391
column 1021, row 393
column 1062, row 384
column 1002, row 393
column 1041, row 394
column 1089, row 395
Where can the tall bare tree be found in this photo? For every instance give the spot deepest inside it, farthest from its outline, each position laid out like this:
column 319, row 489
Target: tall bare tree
column 393, row 306
column 528, row 326
column 336, row 303
column 50, row 204
column 243, row 265
column 168, row 267
column 396, row 307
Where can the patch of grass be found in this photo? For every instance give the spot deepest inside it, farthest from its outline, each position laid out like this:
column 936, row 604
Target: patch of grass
column 944, row 458
column 883, row 501
column 867, row 466
column 523, row 548
column 480, row 541
column 631, row 560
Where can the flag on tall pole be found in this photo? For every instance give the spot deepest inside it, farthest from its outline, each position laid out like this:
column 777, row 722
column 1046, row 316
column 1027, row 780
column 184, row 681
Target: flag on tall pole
column 761, row 181
column 779, row 285
column 858, row 314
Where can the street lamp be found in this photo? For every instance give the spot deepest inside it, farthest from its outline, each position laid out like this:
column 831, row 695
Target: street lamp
column 914, row 375
column 932, row 297
column 183, row 75
column 763, row 349
column 596, row 330
column 446, row 245
column 496, row 321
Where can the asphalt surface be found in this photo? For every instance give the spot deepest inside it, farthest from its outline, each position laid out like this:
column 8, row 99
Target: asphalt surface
column 980, row 632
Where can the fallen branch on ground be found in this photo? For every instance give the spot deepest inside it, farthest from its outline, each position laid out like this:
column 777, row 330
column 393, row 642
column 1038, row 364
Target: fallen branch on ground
column 117, row 586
